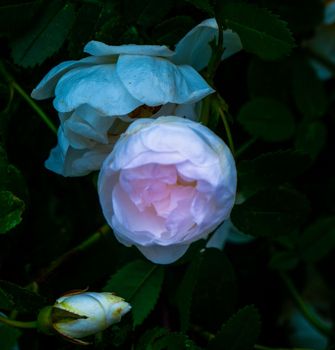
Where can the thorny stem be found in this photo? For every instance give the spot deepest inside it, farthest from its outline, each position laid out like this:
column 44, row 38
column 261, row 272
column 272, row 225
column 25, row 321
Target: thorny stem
column 27, row 98
column 18, row 324
column 304, row 309
column 69, row 254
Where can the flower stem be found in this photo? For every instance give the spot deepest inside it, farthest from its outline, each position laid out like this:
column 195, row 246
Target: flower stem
column 27, row 98
column 69, row 254
column 304, row 309
column 228, row 132
column 18, row 324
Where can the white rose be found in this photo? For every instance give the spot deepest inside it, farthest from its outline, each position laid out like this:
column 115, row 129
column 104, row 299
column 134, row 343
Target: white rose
column 117, row 82
column 167, row 183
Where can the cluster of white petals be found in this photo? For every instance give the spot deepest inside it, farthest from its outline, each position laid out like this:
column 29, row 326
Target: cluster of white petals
column 167, row 183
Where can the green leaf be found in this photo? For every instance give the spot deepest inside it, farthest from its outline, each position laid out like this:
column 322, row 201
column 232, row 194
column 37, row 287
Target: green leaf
column 268, row 119
column 16, row 15
column 271, row 213
column 285, row 260
column 203, row 5
column 318, row 240
column 149, row 337
column 269, row 79
column 240, row 332
column 308, row 91
column 215, row 292
column 311, row 138
column 19, row 298
column 8, row 337
column 185, row 291
column 11, row 209
column 139, row 283
column 151, row 13
column 271, row 169
column 83, row 28
column 174, row 341
column 171, row 30
column 260, row 31
column 46, row 37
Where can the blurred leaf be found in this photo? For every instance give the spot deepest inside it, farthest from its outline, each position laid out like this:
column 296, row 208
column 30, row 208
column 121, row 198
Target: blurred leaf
column 215, row 292
column 285, row 260
column 174, row 341
column 267, row 118
column 271, row 169
column 170, row 31
column 301, row 15
column 151, row 13
column 308, row 91
column 185, row 291
column 240, row 332
column 139, row 283
column 318, row 240
column 260, row 31
column 269, row 79
column 271, row 213
column 83, row 28
column 149, row 337
column 203, row 5
column 8, row 337
column 311, row 138
column 15, row 15
column 19, row 298
column 11, row 209
column 46, row 37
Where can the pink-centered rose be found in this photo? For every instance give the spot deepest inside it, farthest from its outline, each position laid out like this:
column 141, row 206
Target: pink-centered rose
column 167, row 183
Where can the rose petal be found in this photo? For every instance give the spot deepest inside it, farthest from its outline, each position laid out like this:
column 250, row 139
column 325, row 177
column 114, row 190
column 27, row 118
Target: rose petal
column 156, row 81
column 97, row 48
column 163, row 254
column 194, row 48
column 97, row 86
column 46, row 87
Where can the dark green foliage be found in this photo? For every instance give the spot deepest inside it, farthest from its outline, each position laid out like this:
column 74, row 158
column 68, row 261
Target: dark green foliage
column 268, row 119
column 261, row 32
column 271, row 213
column 139, row 283
column 271, row 169
column 8, row 337
column 240, row 332
column 46, row 37
column 22, row 299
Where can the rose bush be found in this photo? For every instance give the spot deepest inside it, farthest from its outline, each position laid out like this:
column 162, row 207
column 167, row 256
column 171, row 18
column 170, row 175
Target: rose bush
column 167, row 183
column 116, row 82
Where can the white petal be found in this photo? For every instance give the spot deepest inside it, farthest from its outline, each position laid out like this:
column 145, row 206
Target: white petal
column 97, row 48
column 194, row 48
column 163, row 254
column 98, row 86
column 156, row 81
column 86, row 127
column 329, row 13
column 47, row 85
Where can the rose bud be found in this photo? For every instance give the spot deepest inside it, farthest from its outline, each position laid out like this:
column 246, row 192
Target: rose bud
column 79, row 314
column 167, row 183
